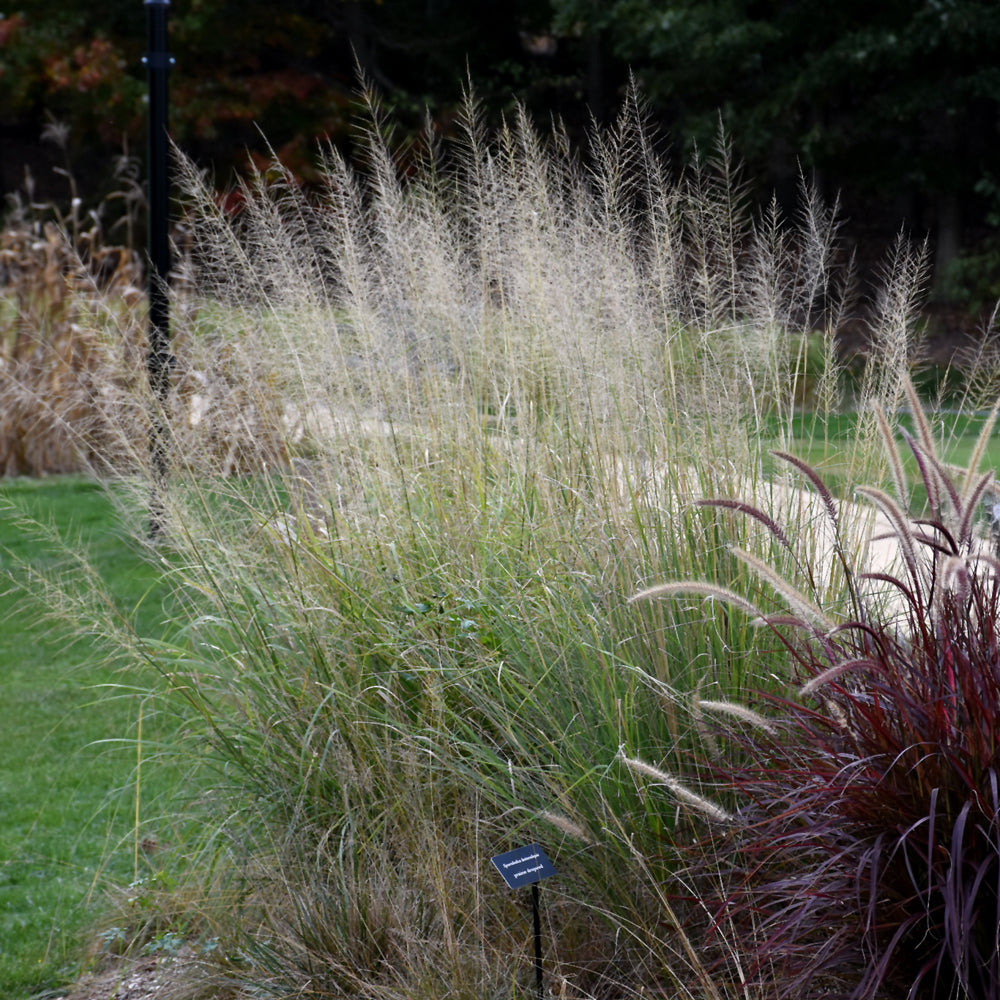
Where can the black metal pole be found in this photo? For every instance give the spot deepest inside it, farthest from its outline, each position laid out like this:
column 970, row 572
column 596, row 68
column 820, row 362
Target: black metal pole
column 160, row 361
column 537, row 916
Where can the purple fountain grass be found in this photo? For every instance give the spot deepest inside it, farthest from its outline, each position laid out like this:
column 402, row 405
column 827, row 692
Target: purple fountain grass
column 863, row 859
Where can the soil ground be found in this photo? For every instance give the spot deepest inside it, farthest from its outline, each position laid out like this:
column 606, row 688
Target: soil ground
column 147, row 978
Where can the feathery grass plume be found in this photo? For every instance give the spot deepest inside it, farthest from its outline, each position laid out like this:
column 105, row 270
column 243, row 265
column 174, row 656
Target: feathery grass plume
column 955, row 576
column 929, row 478
column 981, row 364
column 943, row 476
column 924, row 433
column 797, row 601
column 899, row 480
column 825, row 494
column 834, row 673
column 979, row 450
column 717, row 198
column 741, row 712
column 893, row 329
column 691, row 799
column 751, row 511
column 666, row 590
column 902, row 530
column 826, row 292
column 565, row 825
column 969, row 507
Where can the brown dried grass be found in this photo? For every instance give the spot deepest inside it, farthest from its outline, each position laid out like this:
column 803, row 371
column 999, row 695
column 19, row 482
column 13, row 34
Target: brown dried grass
column 73, row 349
column 70, row 332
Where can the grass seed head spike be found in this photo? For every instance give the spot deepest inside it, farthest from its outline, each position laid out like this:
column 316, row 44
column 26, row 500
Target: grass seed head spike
column 976, row 458
column 892, row 454
column 829, row 503
column 689, row 798
column 665, row 591
column 797, row 601
column 737, row 711
column 924, row 433
column 751, row 511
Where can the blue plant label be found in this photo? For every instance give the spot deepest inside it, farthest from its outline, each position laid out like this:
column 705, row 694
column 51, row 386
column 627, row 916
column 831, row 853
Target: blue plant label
column 524, row 866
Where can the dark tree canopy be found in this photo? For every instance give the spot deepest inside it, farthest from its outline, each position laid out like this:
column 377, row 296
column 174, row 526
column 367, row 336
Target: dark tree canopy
column 895, row 103
column 901, row 97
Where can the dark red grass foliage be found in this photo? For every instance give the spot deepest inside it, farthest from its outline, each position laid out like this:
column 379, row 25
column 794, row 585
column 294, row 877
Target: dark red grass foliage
column 865, row 859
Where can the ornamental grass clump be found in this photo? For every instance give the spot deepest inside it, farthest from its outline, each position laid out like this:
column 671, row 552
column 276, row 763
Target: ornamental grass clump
column 494, row 383
column 862, row 856
column 429, row 424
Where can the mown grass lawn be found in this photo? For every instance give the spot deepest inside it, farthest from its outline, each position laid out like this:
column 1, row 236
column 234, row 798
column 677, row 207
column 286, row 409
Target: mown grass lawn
column 825, row 445
column 67, row 739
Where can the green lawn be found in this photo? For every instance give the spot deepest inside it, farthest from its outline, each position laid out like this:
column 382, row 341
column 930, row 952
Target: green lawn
column 825, row 445
column 67, row 740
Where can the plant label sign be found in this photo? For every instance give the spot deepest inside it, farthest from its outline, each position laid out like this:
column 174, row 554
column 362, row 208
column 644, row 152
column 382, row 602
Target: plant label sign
column 524, row 866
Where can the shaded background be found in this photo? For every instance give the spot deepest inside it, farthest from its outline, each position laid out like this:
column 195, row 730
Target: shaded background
column 893, row 105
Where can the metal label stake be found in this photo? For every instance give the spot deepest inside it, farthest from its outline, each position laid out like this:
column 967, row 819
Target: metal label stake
column 528, row 866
